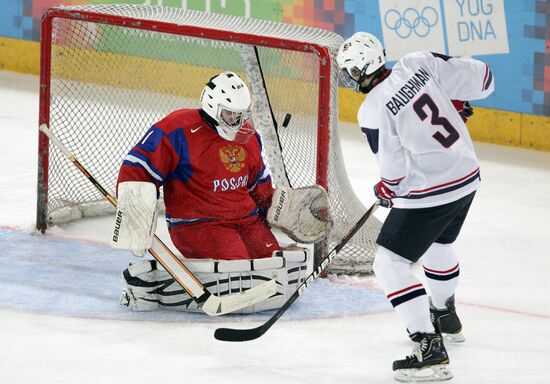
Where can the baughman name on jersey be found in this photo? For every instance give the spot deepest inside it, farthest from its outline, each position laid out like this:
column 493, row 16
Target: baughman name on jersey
column 408, row 91
column 423, row 147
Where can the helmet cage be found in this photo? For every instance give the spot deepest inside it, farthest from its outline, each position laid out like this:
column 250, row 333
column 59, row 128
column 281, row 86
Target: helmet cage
column 356, row 73
column 354, row 79
column 232, row 119
column 235, row 125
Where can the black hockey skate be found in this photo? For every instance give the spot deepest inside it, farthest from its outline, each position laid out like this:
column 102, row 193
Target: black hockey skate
column 429, row 361
column 447, row 322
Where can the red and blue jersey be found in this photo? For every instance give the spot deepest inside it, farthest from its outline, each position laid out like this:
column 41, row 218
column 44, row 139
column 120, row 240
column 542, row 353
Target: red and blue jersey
column 204, row 177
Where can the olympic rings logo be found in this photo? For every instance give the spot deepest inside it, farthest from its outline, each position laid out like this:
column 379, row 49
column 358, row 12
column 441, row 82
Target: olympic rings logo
column 404, row 24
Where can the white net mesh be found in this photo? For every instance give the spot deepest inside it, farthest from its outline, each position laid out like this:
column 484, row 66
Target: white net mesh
column 110, row 83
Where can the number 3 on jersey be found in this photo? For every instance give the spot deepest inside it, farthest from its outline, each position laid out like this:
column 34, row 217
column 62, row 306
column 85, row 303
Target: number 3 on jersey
column 453, row 135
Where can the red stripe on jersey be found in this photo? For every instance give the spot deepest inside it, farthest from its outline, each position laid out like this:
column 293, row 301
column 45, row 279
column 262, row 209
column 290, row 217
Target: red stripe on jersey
column 446, row 184
column 394, row 180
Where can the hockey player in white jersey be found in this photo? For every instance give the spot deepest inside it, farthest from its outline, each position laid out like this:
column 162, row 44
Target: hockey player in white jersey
column 429, row 174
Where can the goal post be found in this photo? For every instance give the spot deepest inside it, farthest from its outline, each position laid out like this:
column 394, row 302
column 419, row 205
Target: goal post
column 108, row 72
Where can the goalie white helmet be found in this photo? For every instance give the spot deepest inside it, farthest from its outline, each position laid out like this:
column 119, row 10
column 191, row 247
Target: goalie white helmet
column 358, row 57
column 226, row 100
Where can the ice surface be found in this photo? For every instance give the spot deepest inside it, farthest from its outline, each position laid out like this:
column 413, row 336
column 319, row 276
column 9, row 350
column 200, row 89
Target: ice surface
column 60, row 321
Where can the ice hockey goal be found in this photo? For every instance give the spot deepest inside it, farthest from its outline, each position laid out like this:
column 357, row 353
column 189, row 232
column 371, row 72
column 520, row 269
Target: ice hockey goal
column 110, row 71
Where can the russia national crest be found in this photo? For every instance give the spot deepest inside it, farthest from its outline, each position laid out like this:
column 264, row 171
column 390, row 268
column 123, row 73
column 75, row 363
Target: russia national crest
column 233, row 156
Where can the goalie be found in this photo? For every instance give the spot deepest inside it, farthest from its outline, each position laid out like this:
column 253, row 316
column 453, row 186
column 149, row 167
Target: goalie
column 217, row 190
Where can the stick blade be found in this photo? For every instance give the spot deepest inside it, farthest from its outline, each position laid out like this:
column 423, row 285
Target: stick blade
column 216, row 306
column 228, row 334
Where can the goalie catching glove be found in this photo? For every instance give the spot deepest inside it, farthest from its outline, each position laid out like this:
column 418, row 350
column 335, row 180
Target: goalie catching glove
column 301, row 213
column 136, row 216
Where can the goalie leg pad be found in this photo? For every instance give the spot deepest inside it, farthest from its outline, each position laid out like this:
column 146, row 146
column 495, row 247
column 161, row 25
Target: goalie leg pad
column 150, row 287
column 142, row 285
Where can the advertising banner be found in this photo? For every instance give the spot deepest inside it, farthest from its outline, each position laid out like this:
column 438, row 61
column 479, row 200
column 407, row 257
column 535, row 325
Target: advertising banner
column 476, row 27
column 453, row 27
column 410, row 26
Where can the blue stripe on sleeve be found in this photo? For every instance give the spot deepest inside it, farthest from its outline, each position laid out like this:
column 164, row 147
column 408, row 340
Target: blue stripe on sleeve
column 151, row 140
column 259, row 141
column 139, row 159
column 260, row 178
column 441, row 56
column 489, row 81
column 179, row 142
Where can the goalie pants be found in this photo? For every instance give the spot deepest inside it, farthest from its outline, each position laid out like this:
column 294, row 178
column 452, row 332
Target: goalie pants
column 248, row 238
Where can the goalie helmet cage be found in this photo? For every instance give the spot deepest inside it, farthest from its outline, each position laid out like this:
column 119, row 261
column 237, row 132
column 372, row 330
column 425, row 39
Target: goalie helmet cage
column 108, row 72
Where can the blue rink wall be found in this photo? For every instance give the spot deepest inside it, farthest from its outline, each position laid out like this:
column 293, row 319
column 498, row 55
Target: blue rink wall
column 512, row 36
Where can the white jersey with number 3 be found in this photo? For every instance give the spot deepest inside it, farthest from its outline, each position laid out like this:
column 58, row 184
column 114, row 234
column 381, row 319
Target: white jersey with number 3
column 423, row 148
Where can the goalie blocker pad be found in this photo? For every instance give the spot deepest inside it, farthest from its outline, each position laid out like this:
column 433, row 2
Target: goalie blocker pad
column 301, row 213
column 136, row 216
column 150, row 287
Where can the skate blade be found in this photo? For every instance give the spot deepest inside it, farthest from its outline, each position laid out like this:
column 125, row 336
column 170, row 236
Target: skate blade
column 453, row 338
column 434, row 373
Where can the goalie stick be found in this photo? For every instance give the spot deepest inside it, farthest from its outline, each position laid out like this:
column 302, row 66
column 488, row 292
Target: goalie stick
column 212, row 305
column 229, row 334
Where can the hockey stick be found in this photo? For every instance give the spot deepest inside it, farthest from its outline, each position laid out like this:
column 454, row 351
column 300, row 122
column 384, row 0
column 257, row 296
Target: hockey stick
column 228, row 334
column 212, row 305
